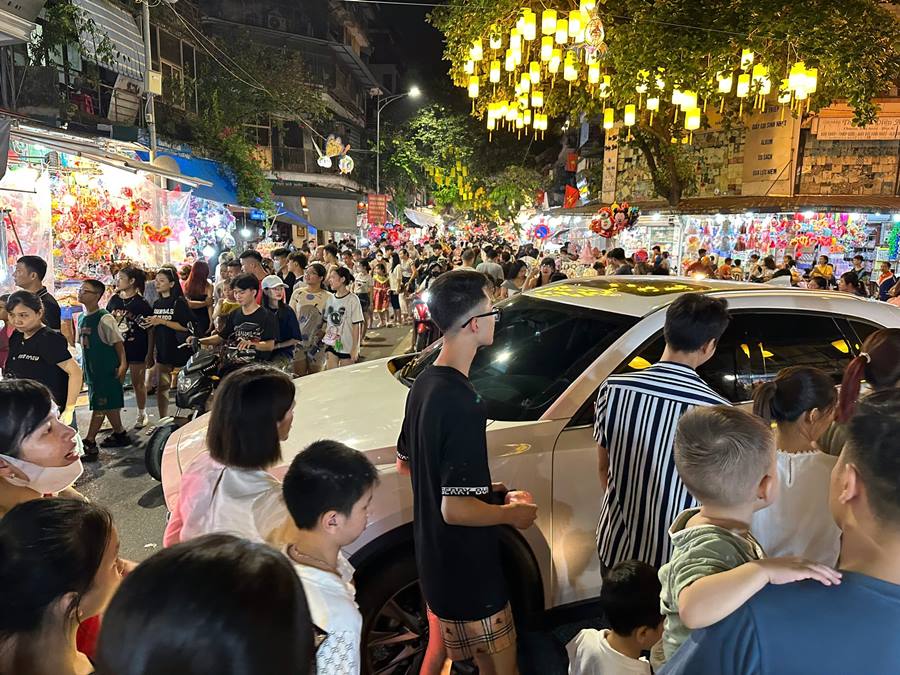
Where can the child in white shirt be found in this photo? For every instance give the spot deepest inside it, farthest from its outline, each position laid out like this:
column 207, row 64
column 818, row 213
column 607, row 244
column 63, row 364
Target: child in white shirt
column 327, row 490
column 630, row 601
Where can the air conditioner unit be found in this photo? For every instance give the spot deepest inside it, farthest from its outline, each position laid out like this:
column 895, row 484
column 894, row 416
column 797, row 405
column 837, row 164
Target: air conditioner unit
column 276, row 22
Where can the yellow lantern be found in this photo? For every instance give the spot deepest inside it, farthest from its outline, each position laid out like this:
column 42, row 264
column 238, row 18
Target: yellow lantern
column 576, row 22
column 587, row 6
column 761, row 79
column 812, row 80
column 534, row 72
column 784, row 92
column 555, row 61
column 692, row 119
column 510, row 64
column 473, row 86
column 630, row 115
column 643, row 77
column 653, row 104
column 747, row 58
column 604, row 86
column 523, row 101
column 524, row 83
column 797, row 76
column 609, row 118
column 491, row 124
column 726, row 81
column 529, row 26
column 676, row 97
column 495, row 71
column 537, row 98
column 511, row 113
column 548, row 22
column 520, row 121
column 477, row 52
column 570, row 68
column 496, row 38
column 469, row 68
column 546, row 48
column 527, row 117
column 688, row 100
column 515, row 41
column 594, row 73
column 562, row 31
column 743, row 85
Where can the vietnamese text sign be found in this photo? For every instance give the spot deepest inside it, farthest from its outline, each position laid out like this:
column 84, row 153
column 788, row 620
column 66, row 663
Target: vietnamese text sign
column 842, row 129
column 377, row 209
column 769, row 152
column 610, row 167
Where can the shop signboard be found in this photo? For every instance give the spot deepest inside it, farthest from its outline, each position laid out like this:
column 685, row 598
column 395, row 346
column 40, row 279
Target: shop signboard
column 377, row 209
column 610, row 167
column 842, row 129
column 769, row 154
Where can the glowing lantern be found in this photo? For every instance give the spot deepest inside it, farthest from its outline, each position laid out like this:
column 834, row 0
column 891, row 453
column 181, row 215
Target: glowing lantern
column 604, row 86
column 587, row 6
column 491, row 124
column 630, row 115
column 688, row 100
column 510, row 64
column 676, row 97
column 546, row 48
column 761, row 79
column 641, row 87
column 576, row 22
column 496, row 39
column 537, row 98
column 473, row 86
column 548, row 22
column 529, row 26
column 784, row 92
column 524, row 83
column 495, row 71
column 812, row 80
column 469, row 68
column 652, row 106
column 747, row 57
column 520, row 121
column 555, row 61
column 511, row 113
column 692, row 119
column 743, row 86
column 477, row 52
column 726, row 82
column 570, row 68
column 527, row 117
column 562, row 31
column 534, row 72
column 515, row 41
column 594, row 73
column 609, row 118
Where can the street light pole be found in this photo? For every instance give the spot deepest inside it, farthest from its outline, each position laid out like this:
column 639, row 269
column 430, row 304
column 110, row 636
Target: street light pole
column 414, row 92
column 148, row 58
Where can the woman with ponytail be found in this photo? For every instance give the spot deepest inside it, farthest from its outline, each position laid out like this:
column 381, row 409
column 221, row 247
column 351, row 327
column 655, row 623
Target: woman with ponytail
column 878, row 364
column 800, row 402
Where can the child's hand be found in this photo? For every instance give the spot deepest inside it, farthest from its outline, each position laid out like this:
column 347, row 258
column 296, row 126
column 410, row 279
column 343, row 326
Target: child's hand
column 789, row 570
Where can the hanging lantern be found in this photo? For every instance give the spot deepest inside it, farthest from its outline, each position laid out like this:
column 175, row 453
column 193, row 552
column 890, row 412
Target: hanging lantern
column 604, row 86
column 496, row 38
column 570, row 68
column 747, row 58
column 688, row 100
column 630, row 115
column 562, row 31
column 511, row 113
column 726, row 81
column 761, row 80
column 609, row 118
column 469, row 68
column 743, row 86
column 520, row 121
column 515, row 41
column 784, row 92
column 477, row 52
column 534, row 72
column 495, row 71
column 473, row 86
column 652, row 106
column 797, row 76
column 525, row 83
column 576, row 22
column 526, row 117
column 529, row 26
column 587, row 6
column 537, row 98
column 548, row 22
column 491, row 123
column 692, row 119
column 510, row 64
column 594, row 73
column 812, row 80
column 546, row 48
column 676, row 97
column 643, row 78
column 555, row 61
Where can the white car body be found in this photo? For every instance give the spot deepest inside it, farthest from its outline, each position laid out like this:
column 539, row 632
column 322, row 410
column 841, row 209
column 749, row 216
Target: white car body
column 363, row 406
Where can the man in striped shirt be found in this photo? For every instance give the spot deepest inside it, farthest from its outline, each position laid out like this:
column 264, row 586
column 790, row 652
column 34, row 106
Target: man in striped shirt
column 636, row 417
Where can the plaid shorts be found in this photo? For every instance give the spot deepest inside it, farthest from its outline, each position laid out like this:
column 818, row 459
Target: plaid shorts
column 491, row 635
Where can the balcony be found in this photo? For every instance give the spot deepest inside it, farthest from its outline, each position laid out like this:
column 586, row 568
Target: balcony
column 299, row 160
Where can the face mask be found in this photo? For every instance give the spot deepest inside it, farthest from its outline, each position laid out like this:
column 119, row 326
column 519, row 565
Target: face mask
column 45, row 479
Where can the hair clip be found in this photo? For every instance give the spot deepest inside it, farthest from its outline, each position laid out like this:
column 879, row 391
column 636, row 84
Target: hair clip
column 866, row 356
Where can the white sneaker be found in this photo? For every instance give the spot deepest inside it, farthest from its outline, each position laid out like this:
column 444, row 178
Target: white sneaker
column 141, row 421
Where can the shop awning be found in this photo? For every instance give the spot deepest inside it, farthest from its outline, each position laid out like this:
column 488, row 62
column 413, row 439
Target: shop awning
column 17, row 21
column 294, row 219
column 219, row 188
column 122, row 30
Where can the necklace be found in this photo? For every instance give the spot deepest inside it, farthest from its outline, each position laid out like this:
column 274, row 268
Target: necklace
column 295, row 553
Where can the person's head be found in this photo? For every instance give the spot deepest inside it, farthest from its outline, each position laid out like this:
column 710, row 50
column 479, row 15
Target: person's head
column 823, row 259
column 361, row 267
column 864, row 494
column 505, row 256
column 167, row 282
column 728, row 261
column 878, row 363
column 315, row 276
column 858, row 261
column 185, row 610
column 694, row 324
column 131, row 278
column 196, row 285
column 404, row 254
column 769, row 263
column 339, row 278
column 517, row 270
column 468, row 257
column 296, row 263
column 4, row 317
column 184, row 272
column 280, row 256
column 726, row 457
column 885, row 267
column 849, row 283
column 460, row 305
column 548, row 266
column 817, row 284
column 656, row 250
column 347, row 258
column 328, row 489
column 754, row 258
column 251, row 262
column 380, row 270
column 616, row 255
column 629, row 598
column 702, row 253
column 274, row 290
column 58, row 565
column 252, row 413
column 25, row 310
column 246, row 287
column 331, row 252
column 488, row 253
column 737, row 263
column 30, row 272
column 800, row 396
column 231, row 269
column 90, row 292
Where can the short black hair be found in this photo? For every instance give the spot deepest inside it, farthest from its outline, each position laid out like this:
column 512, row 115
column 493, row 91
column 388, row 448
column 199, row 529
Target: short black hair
column 299, row 258
column 318, row 269
column 656, row 248
column 616, row 254
column 34, row 264
column 331, row 249
column 233, row 263
column 454, row 295
column 280, row 252
column 825, row 257
column 96, row 284
column 702, row 252
column 469, row 255
column 728, row 261
column 247, row 407
column 25, row 404
column 250, row 253
column 818, row 281
column 693, row 320
column 344, row 274
column 326, row 476
column 489, row 252
column 629, row 597
column 245, row 282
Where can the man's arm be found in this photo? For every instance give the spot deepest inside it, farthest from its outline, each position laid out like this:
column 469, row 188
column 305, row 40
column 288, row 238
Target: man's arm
column 730, row 646
column 603, row 463
column 472, row 512
column 74, row 389
column 123, row 360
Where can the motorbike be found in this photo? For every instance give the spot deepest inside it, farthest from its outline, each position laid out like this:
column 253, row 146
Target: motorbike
column 425, row 330
column 194, row 389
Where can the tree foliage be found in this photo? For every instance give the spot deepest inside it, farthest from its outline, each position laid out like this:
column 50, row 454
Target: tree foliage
column 855, row 44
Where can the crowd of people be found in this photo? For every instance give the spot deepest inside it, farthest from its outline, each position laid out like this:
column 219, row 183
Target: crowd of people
column 719, row 527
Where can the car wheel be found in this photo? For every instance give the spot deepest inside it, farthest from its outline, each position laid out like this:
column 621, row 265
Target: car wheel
column 155, row 446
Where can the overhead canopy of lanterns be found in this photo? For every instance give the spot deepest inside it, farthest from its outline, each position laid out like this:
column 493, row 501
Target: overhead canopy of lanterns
column 454, row 171
column 528, row 59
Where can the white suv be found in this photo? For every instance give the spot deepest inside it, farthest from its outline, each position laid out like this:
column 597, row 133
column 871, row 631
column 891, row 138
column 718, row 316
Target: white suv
column 552, row 349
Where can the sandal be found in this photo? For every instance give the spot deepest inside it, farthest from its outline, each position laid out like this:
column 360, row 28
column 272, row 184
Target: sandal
column 91, row 451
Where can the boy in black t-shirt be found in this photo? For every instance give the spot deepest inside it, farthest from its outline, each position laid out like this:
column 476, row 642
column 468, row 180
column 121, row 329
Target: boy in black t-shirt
column 443, row 446
column 251, row 328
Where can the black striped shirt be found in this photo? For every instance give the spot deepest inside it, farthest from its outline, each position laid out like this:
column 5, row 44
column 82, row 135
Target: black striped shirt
column 636, row 417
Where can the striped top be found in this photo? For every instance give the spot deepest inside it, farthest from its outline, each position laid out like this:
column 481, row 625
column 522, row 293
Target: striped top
column 636, row 417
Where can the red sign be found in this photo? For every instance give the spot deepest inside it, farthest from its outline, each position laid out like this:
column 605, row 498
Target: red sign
column 572, row 197
column 377, row 210
column 572, row 162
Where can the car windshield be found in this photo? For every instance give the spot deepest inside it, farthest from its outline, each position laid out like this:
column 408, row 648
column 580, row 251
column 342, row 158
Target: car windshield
column 539, row 348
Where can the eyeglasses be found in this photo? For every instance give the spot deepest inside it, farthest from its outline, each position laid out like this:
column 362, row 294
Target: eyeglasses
column 494, row 313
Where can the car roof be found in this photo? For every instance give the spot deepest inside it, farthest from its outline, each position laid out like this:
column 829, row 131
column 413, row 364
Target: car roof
column 641, row 295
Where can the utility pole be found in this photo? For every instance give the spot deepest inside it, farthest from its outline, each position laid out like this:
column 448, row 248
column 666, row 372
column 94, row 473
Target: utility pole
column 148, row 57
column 414, row 92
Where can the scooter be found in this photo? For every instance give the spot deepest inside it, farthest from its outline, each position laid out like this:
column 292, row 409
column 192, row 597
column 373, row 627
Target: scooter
column 425, row 330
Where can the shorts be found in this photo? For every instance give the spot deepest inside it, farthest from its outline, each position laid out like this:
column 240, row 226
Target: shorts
column 106, row 394
column 395, row 301
column 363, row 301
column 340, row 355
column 466, row 639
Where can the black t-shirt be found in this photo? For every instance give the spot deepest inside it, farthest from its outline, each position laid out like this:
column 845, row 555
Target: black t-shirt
column 166, row 339
column 38, row 358
column 443, row 439
column 52, row 314
column 258, row 327
column 129, row 314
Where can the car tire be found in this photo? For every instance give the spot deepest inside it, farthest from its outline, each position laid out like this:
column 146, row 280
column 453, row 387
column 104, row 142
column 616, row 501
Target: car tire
column 155, row 446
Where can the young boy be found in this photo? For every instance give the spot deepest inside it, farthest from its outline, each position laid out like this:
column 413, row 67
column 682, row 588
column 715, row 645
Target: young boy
column 327, row 491
column 104, row 365
column 251, row 327
column 630, row 601
column 726, row 458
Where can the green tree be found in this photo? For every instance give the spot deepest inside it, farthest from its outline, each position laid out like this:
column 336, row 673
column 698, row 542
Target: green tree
column 855, row 44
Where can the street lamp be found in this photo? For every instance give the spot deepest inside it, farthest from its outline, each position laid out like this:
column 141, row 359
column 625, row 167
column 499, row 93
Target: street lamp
column 414, row 92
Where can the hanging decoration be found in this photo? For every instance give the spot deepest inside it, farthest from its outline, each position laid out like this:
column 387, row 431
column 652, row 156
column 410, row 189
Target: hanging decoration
column 611, row 220
column 335, row 152
column 391, row 233
column 157, row 235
